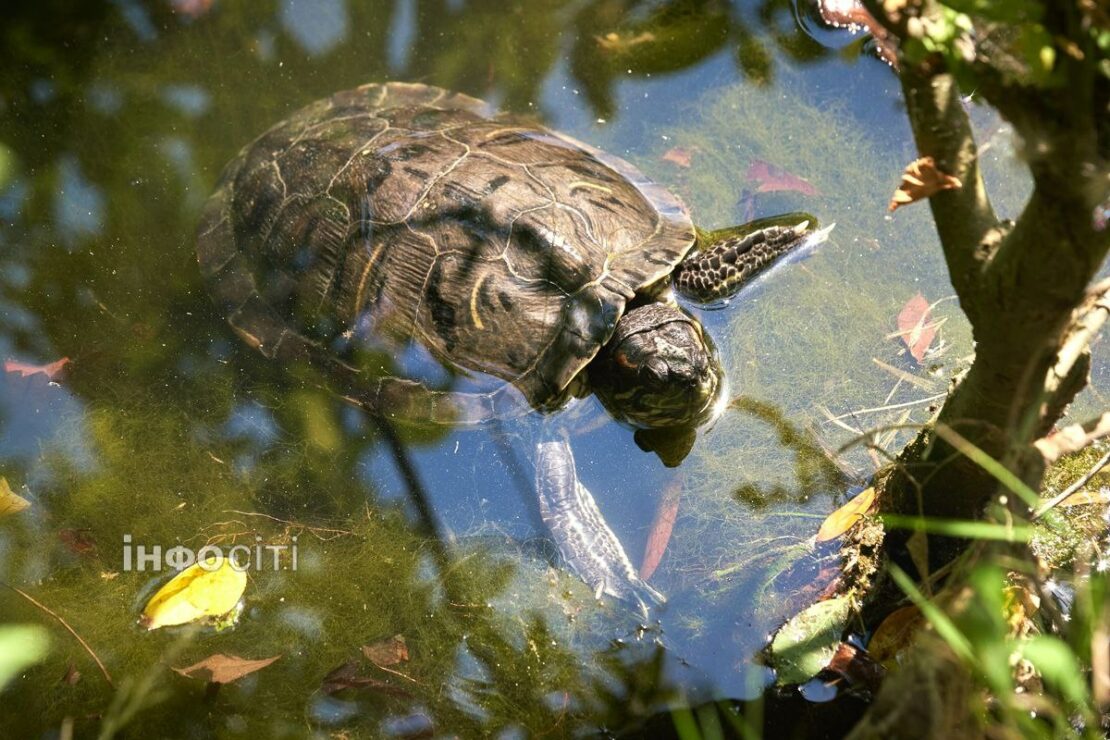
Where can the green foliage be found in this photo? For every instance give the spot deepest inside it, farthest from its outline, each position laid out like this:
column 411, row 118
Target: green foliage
column 1020, row 41
column 21, row 646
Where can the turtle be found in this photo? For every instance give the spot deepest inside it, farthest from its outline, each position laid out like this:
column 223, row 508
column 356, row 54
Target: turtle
column 447, row 264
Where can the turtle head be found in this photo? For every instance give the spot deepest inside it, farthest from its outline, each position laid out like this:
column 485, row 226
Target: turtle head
column 659, row 370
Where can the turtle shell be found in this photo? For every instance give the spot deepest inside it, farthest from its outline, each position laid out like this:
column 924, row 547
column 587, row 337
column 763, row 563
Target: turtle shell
column 403, row 213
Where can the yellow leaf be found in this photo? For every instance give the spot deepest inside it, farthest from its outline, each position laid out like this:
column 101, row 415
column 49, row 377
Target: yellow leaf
column 921, row 179
column 194, row 594
column 10, row 501
column 841, row 520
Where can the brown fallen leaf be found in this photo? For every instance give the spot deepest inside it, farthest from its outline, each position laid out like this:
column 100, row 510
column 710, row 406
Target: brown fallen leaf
column 347, row 676
column 661, row 528
column 78, row 541
column 387, row 652
column 894, row 635
column 221, row 668
column 769, row 179
column 916, row 327
column 857, row 667
column 678, row 155
column 921, row 179
column 841, row 520
column 51, row 370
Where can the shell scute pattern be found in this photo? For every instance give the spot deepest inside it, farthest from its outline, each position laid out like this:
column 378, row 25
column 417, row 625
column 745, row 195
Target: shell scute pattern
column 406, row 213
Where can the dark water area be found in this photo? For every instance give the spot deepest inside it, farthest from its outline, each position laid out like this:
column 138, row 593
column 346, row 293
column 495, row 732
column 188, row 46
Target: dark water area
column 164, row 429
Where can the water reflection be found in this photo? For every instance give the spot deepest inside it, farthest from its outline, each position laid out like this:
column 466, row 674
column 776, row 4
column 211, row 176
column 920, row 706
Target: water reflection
column 168, row 429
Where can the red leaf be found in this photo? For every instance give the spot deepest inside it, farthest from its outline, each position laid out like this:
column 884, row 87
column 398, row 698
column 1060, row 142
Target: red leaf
column 191, row 8
column 769, row 178
column 915, row 326
column 661, row 528
column 78, row 541
column 678, row 155
column 52, row 370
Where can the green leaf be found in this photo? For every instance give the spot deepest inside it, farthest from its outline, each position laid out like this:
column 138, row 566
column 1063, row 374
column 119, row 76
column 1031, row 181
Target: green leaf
column 1003, row 11
column 806, row 644
column 21, row 646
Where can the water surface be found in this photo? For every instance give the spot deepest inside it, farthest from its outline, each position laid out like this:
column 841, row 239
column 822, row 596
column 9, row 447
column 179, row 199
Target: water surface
column 117, row 119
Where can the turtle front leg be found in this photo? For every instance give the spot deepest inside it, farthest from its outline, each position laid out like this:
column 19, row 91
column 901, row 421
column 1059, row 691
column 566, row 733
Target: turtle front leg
column 731, row 258
column 588, row 546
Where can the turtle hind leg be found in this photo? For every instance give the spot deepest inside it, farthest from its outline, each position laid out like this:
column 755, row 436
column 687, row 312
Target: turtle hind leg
column 587, row 545
column 733, row 258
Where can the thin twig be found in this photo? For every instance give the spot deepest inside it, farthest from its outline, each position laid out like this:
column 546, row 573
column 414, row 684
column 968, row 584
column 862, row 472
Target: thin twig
column 1086, row 477
column 889, row 407
column 301, row 525
column 923, row 383
column 64, row 623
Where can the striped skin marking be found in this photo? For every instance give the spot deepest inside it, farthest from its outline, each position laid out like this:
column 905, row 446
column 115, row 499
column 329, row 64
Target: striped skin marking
column 474, row 293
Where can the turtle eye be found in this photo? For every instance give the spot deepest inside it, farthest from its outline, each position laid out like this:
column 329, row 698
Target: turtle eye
column 654, row 372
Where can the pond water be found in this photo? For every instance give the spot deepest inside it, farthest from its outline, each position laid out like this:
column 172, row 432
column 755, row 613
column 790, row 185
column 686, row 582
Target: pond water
column 163, row 429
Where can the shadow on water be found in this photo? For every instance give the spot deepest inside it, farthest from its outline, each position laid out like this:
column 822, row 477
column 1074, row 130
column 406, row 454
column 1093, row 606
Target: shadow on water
column 115, row 121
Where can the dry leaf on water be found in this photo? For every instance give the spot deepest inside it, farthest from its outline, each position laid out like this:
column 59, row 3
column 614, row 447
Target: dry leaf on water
column 895, row 634
column 920, row 180
column 51, row 370
column 387, row 652
column 857, row 667
column 78, row 541
column 221, row 668
column 769, row 179
column 10, row 501
column 678, row 155
column 195, row 594
column 916, row 327
column 347, row 676
column 661, row 528
column 1085, row 496
column 72, row 675
column 841, row 520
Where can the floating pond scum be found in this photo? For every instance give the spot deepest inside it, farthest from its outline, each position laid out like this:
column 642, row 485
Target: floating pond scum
column 165, row 430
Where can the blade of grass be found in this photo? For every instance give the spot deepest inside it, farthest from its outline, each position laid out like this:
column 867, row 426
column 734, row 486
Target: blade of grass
column 996, row 469
column 967, row 529
column 944, row 626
